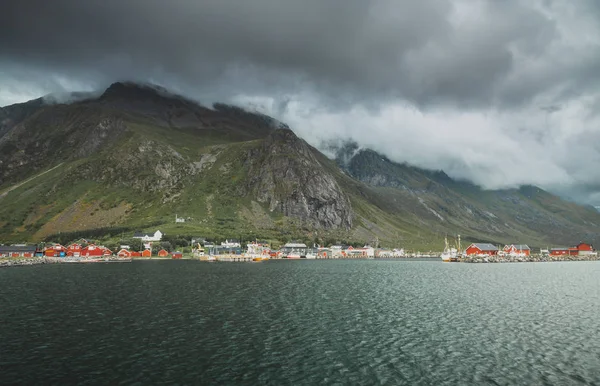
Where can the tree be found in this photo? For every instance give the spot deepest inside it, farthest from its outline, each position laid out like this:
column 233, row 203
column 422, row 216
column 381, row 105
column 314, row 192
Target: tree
column 134, row 244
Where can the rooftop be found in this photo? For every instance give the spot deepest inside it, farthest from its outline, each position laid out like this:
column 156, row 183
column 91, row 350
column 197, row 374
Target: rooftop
column 486, row 246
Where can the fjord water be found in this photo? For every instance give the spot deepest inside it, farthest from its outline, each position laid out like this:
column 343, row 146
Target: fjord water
column 301, row 322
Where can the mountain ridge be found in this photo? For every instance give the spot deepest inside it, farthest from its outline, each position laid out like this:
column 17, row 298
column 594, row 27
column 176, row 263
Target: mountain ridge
column 136, row 155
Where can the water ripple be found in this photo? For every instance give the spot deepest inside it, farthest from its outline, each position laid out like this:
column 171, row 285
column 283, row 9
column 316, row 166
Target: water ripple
column 301, row 322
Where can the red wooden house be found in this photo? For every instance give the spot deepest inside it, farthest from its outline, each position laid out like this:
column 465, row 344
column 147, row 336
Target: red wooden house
column 559, row 251
column 74, row 250
column 136, row 254
column 517, row 249
column 93, row 250
column 124, row 253
column 584, row 249
column 481, row 249
column 147, row 253
column 163, row 253
column 20, row 250
column 176, row 255
column 55, row 250
column 581, row 249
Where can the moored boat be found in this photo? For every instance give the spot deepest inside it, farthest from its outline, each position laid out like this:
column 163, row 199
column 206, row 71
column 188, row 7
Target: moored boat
column 449, row 254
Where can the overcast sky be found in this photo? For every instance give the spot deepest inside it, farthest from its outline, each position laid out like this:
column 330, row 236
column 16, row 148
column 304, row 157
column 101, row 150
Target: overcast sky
column 500, row 92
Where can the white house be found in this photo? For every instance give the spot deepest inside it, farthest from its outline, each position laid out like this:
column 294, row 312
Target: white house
column 369, row 251
column 156, row 236
column 233, row 243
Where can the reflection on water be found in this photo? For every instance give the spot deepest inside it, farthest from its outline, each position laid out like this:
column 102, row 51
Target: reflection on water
column 301, row 322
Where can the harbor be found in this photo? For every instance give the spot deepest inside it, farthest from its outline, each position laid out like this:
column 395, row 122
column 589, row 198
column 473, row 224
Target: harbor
column 152, row 247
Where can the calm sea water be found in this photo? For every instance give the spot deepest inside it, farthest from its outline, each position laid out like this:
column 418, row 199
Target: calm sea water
column 301, row 322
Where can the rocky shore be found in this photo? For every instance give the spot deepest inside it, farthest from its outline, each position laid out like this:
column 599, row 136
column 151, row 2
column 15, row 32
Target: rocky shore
column 19, row 262
column 527, row 259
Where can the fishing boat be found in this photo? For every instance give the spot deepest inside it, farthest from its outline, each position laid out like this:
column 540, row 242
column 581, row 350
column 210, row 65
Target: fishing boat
column 449, row 254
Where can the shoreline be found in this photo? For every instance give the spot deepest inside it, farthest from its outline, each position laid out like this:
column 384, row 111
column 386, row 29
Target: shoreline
column 29, row 261
column 23, row 262
column 526, row 259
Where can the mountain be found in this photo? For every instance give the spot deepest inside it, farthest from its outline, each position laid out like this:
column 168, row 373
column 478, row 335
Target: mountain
column 137, row 155
column 528, row 214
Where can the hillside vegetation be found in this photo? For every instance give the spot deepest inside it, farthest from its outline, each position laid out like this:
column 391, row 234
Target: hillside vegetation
column 137, row 156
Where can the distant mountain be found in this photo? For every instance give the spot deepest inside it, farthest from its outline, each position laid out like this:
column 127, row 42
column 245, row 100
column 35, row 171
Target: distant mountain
column 136, row 155
column 525, row 215
column 11, row 115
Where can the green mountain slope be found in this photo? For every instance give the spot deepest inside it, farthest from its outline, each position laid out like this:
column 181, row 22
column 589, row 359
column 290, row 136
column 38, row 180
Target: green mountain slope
column 137, row 156
column 526, row 215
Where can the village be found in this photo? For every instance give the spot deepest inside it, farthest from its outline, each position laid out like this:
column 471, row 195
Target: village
column 232, row 250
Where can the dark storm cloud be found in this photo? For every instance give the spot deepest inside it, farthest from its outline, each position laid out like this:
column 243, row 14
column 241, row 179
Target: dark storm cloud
column 425, row 51
column 493, row 91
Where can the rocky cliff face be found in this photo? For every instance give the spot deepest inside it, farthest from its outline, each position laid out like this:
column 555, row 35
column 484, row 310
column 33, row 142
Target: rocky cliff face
column 54, row 134
column 150, row 167
column 284, row 173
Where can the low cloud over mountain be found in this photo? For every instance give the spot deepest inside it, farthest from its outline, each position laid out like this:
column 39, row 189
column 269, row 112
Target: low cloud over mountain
column 501, row 93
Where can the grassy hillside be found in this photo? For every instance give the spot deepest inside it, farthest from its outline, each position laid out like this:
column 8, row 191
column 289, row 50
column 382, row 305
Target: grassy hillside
column 136, row 157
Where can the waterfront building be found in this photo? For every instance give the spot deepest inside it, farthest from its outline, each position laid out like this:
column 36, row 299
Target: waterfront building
column 517, row 250
column 559, row 251
column 55, row 250
column 18, row 250
column 124, row 253
column 482, row 249
column 93, row 250
column 74, row 250
column 584, row 249
column 294, row 248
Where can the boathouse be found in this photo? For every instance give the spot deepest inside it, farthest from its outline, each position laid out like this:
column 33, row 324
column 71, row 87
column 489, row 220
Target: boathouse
column 19, row 250
column 93, row 250
column 74, row 250
column 560, row 251
column 517, row 250
column 481, row 249
column 55, row 250
column 163, row 253
column 177, row 255
column 147, row 253
column 584, row 249
column 124, row 253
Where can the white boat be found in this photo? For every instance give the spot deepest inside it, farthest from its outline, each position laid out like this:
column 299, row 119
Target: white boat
column 310, row 255
column 449, row 254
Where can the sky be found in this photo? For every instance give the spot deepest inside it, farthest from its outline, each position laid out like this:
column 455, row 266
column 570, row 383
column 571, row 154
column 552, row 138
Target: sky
column 501, row 93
